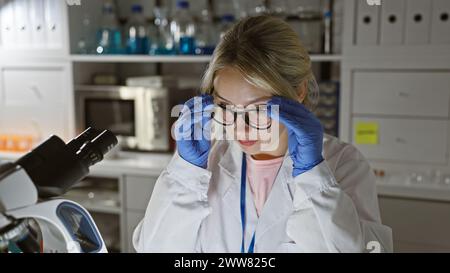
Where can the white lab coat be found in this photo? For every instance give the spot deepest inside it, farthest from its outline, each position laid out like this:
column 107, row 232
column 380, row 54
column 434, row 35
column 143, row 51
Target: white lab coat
column 330, row 208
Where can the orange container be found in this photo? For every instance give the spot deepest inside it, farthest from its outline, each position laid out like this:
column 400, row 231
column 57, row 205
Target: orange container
column 9, row 143
column 3, row 139
column 16, row 143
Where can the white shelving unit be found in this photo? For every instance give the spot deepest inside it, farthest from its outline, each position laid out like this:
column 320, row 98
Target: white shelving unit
column 367, row 59
column 138, row 59
column 170, row 59
column 393, row 66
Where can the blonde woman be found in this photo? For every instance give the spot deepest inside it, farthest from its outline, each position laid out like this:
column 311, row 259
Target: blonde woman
column 309, row 192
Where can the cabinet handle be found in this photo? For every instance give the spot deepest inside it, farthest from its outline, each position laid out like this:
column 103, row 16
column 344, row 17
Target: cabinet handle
column 35, row 89
column 403, row 94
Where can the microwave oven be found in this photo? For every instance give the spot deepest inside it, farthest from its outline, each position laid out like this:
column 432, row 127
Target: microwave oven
column 138, row 116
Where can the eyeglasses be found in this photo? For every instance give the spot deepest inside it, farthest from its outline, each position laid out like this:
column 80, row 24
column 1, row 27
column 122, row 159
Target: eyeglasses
column 255, row 116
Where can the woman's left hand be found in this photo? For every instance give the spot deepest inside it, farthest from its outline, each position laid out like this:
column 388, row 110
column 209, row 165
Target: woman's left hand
column 305, row 133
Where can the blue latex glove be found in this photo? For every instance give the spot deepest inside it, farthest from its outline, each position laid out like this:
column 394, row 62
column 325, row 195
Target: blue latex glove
column 193, row 130
column 305, row 133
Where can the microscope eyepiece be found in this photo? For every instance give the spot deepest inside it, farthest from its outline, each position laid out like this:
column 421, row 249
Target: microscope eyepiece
column 54, row 167
column 94, row 150
column 75, row 144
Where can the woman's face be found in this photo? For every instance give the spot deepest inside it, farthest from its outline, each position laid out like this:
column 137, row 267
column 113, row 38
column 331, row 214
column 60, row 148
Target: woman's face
column 231, row 89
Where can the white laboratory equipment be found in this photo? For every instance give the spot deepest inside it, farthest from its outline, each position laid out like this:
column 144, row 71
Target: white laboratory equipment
column 31, row 219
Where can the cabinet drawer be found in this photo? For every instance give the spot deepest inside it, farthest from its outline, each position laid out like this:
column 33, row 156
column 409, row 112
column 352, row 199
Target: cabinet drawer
column 425, row 94
column 423, row 141
column 138, row 190
column 34, row 86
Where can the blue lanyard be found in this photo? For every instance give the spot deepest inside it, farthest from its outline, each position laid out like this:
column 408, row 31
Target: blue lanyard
column 243, row 192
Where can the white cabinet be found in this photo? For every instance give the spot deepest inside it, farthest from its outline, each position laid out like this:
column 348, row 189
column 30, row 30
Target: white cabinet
column 36, row 99
column 408, row 93
column 34, row 86
column 137, row 193
column 138, row 190
column 406, row 140
column 417, row 225
column 408, row 113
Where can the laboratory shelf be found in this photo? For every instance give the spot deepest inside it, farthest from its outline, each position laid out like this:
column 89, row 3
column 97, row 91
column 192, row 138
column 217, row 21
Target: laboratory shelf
column 171, row 59
column 101, row 209
column 139, row 59
column 325, row 58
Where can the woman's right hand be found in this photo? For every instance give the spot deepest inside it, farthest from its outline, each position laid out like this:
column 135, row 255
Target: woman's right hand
column 193, row 130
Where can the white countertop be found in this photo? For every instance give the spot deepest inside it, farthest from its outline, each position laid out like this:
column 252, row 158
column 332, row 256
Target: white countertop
column 426, row 192
column 126, row 163
column 400, row 185
column 132, row 163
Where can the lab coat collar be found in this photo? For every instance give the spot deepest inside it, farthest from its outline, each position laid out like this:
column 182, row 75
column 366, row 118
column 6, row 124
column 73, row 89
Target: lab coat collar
column 231, row 160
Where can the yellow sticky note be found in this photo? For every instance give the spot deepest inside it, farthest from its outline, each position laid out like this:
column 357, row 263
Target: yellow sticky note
column 366, row 133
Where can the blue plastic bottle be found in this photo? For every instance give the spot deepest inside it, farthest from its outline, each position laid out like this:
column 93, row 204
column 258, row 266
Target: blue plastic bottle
column 137, row 32
column 163, row 42
column 182, row 28
column 109, row 37
column 205, row 38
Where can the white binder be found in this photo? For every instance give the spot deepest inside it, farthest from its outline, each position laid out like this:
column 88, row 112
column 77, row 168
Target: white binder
column 367, row 24
column 418, row 22
column 392, row 22
column 8, row 31
column 440, row 22
column 53, row 22
column 37, row 22
column 22, row 23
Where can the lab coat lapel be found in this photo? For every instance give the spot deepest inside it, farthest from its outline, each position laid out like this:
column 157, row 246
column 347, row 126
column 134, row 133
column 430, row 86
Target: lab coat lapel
column 230, row 177
column 279, row 201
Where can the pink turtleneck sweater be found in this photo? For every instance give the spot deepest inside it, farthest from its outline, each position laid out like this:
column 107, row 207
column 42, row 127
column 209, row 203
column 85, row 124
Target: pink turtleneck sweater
column 261, row 175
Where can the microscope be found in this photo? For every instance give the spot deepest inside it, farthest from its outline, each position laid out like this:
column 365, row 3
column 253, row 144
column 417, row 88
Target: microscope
column 32, row 217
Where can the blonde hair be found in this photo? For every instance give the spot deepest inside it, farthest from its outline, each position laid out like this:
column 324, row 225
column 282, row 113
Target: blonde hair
column 269, row 55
